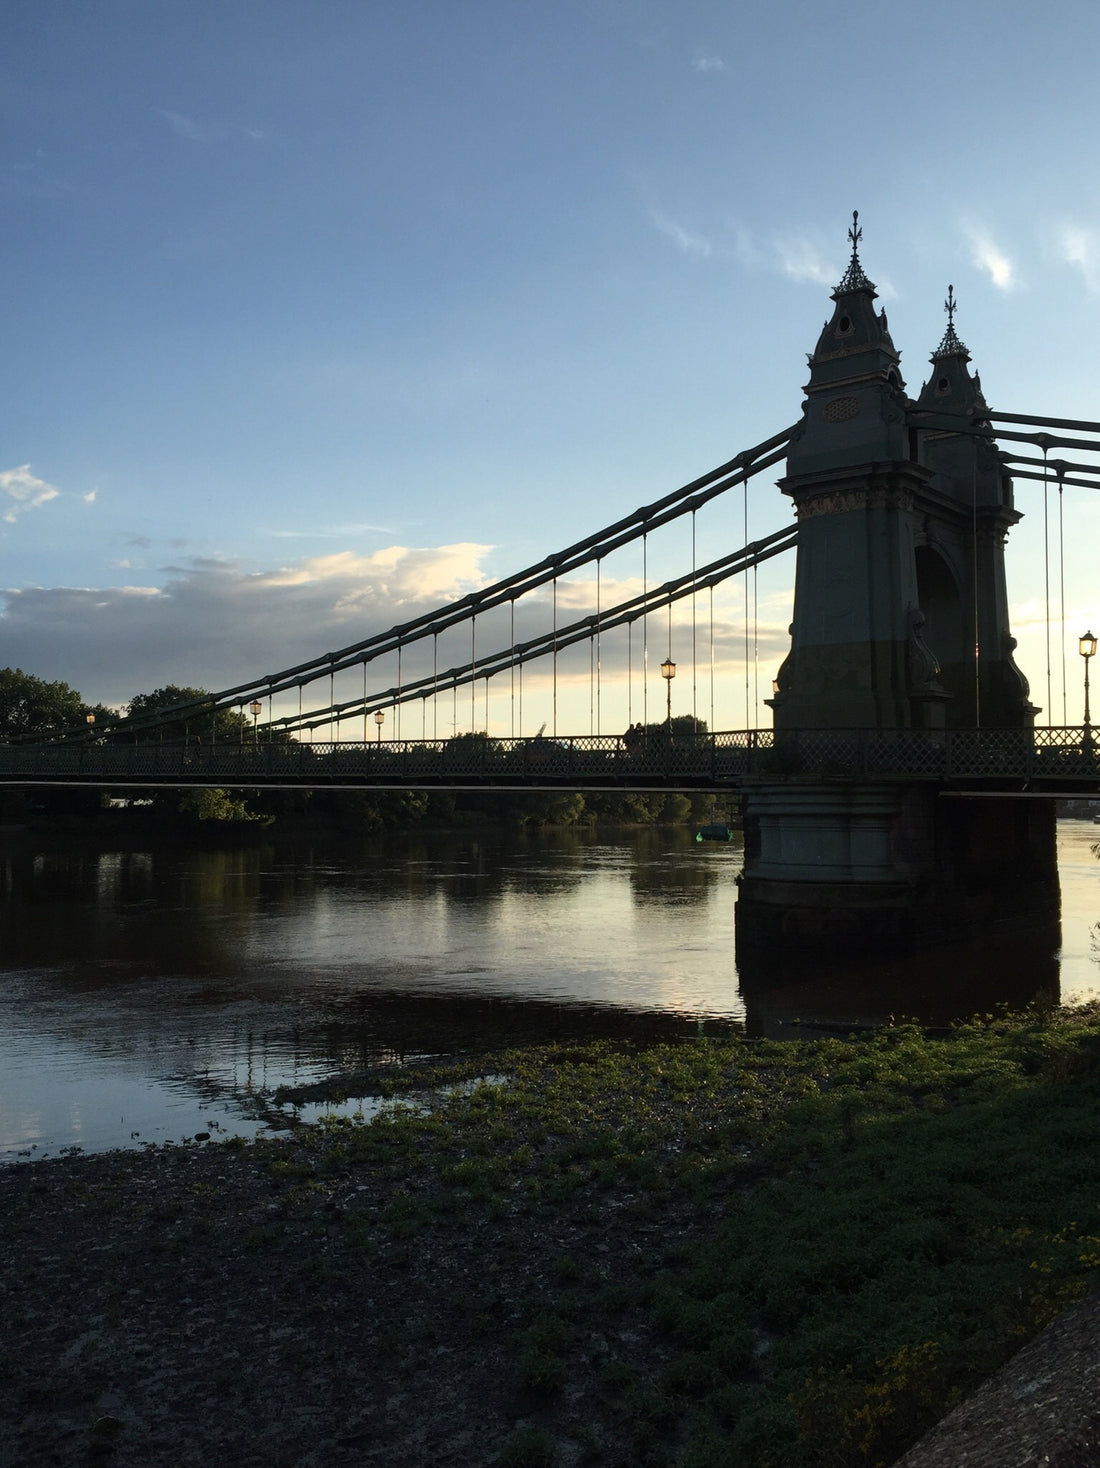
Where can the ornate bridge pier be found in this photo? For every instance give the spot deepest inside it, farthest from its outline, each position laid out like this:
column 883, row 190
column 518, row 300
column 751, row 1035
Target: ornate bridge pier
column 900, row 623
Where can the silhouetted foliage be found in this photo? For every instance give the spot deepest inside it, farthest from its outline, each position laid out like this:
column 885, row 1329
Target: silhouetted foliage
column 196, row 723
column 30, row 705
column 211, row 804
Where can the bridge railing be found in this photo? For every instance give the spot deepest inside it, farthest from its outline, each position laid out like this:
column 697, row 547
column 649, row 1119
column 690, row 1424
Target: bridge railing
column 1049, row 755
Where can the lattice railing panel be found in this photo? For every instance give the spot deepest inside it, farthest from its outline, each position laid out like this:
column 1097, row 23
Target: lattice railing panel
column 1046, row 757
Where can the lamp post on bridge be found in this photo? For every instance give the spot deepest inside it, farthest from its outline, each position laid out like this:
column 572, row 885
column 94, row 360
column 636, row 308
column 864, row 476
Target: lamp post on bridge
column 379, row 719
column 668, row 672
column 255, row 708
column 1087, row 647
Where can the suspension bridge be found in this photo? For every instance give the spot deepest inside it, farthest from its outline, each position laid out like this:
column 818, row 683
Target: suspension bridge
column 898, row 690
column 932, row 706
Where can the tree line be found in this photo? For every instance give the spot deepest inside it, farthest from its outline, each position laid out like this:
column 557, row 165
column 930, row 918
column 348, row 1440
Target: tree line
column 32, row 706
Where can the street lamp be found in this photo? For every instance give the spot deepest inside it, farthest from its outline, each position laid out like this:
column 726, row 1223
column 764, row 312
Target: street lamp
column 255, row 708
column 89, row 719
column 1087, row 647
column 668, row 672
column 379, row 719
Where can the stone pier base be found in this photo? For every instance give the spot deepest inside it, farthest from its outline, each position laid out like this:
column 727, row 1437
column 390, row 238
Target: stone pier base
column 835, row 867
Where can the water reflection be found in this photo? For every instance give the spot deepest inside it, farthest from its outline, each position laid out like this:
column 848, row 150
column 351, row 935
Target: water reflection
column 694, row 879
column 146, row 995
column 125, row 907
column 937, row 988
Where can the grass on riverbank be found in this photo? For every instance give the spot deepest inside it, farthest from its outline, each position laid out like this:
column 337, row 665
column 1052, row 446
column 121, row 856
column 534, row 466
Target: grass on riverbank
column 713, row 1252
column 882, row 1223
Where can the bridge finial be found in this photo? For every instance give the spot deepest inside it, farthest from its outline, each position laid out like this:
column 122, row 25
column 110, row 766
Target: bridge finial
column 854, row 278
column 950, row 346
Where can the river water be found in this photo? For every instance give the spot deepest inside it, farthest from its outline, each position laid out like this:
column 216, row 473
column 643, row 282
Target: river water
column 149, row 996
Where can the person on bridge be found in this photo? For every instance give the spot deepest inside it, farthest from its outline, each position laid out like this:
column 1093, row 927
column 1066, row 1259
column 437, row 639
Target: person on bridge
column 633, row 738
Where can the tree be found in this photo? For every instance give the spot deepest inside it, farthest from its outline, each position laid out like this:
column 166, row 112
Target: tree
column 30, row 705
column 196, row 723
column 217, row 805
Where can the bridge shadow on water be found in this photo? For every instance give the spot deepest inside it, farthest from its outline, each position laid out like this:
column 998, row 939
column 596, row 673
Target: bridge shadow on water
column 798, row 998
column 805, row 997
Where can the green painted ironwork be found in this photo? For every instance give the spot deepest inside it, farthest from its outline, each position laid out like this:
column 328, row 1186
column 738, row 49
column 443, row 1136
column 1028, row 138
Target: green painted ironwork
column 1045, row 759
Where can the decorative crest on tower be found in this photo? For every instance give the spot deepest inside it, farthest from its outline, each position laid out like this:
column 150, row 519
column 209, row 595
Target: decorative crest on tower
column 854, row 278
column 950, row 346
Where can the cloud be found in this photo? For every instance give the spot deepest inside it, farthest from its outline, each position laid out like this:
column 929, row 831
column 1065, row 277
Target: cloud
column 183, row 127
column 989, row 257
column 705, row 63
column 801, row 260
column 26, row 489
column 684, row 239
column 797, row 256
column 336, row 532
column 745, row 248
column 213, row 624
column 1080, row 247
column 90, row 497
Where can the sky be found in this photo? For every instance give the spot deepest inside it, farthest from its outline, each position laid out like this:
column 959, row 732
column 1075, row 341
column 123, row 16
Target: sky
column 319, row 315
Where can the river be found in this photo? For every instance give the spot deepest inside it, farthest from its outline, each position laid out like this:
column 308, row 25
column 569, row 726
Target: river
column 146, row 996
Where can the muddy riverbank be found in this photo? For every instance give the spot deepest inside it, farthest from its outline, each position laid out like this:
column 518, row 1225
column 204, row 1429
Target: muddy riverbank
column 707, row 1252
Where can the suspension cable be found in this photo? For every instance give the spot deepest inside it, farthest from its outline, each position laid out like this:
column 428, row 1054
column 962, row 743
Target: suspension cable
column 612, row 537
column 630, row 674
column 755, row 650
column 627, row 612
column 745, row 541
column 645, row 630
column 591, row 685
column 599, row 650
column 711, row 725
column 1062, row 589
column 977, row 603
column 1046, row 581
column 694, row 661
column 555, row 621
column 631, row 527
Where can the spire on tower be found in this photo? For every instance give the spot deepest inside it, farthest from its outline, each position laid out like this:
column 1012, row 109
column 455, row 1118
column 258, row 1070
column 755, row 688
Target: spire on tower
column 950, row 346
column 854, row 278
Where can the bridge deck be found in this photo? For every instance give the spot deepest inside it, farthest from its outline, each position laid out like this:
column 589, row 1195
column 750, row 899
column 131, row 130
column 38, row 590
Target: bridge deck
column 1052, row 760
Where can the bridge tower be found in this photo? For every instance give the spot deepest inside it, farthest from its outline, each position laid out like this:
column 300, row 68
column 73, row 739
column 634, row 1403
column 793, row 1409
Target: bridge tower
column 900, row 623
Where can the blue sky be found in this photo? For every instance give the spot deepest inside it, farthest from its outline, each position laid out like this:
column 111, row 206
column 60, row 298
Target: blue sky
column 317, row 315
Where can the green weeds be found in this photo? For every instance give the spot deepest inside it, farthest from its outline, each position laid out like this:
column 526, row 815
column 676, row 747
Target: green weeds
column 528, row 1447
column 859, row 1230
